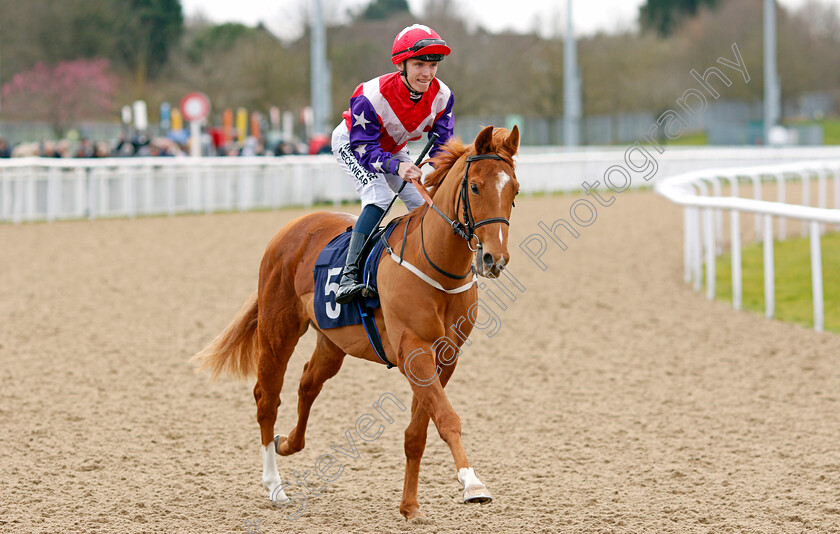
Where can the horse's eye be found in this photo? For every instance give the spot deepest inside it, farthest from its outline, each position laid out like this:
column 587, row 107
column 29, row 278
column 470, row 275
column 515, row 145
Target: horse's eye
column 474, row 189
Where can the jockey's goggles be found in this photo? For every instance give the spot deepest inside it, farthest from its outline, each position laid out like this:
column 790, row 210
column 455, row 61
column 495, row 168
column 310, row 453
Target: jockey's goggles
column 421, row 44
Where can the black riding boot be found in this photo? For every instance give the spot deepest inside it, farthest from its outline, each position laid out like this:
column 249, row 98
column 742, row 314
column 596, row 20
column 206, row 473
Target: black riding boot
column 351, row 284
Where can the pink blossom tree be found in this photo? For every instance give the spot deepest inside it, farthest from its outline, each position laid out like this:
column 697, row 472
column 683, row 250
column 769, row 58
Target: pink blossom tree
column 62, row 94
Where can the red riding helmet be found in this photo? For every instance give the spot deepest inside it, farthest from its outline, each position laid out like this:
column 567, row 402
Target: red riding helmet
column 420, row 42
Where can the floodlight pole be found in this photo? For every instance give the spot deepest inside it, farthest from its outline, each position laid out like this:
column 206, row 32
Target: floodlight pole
column 320, row 77
column 571, row 85
column 772, row 90
column 1, row 77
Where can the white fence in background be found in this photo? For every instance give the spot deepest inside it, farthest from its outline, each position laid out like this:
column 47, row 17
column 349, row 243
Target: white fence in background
column 48, row 189
column 699, row 192
column 43, row 189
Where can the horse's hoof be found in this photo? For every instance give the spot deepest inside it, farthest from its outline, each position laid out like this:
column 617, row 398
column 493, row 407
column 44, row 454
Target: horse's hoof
column 477, row 494
column 281, row 445
column 278, row 496
column 415, row 516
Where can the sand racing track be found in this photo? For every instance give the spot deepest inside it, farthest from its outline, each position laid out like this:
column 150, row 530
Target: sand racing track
column 612, row 399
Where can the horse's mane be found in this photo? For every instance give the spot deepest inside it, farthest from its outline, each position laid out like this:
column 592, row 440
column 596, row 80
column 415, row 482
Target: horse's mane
column 452, row 151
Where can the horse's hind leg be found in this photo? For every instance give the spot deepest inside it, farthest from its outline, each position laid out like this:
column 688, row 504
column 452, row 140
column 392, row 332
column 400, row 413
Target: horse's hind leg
column 275, row 351
column 325, row 362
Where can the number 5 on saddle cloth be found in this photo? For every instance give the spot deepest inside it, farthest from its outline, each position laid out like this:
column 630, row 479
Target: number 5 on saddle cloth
column 328, row 268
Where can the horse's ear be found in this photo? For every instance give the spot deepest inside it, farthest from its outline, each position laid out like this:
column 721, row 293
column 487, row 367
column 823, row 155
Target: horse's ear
column 484, row 140
column 512, row 142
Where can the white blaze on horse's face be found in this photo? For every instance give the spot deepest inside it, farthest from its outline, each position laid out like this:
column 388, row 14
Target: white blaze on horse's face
column 502, row 180
column 492, row 256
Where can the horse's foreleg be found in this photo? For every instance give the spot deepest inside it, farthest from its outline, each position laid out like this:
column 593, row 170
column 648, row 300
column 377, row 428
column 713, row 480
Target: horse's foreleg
column 415, row 444
column 474, row 490
column 325, row 362
column 421, row 369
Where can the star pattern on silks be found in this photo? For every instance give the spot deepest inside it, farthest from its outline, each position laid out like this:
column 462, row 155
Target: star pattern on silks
column 361, row 120
column 449, row 115
column 377, row 165
column 360, row 150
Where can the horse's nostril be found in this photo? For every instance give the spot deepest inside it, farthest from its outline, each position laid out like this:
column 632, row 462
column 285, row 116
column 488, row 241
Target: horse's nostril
column 488, row 260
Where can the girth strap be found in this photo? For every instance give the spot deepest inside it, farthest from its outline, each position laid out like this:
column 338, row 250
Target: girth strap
column 373, row 333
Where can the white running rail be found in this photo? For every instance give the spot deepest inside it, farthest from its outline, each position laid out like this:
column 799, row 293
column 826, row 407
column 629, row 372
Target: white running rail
column 45, row 189
column 703, row 218
column 34, row 189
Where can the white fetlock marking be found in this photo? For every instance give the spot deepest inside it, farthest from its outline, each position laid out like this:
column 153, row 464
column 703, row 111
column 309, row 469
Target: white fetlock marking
column 474, row 490
column 466, row 476
column 271, row 476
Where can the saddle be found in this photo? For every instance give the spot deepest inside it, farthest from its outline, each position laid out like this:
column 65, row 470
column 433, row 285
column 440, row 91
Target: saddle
column 327, row 272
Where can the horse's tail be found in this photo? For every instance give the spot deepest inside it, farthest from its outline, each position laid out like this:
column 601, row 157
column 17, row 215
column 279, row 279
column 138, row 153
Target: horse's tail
column 234, row 351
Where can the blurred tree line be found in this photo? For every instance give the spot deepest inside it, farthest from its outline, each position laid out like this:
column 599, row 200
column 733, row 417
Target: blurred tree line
column 158, row 55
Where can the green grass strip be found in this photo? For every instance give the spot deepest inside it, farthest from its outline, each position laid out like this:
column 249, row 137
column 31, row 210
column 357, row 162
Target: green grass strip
column 794, row 302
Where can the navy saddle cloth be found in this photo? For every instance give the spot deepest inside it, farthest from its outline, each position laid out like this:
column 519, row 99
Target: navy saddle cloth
column 328, row 269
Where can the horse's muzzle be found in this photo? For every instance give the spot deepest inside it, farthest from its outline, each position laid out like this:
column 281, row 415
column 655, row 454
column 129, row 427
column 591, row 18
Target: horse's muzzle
column 487, row 265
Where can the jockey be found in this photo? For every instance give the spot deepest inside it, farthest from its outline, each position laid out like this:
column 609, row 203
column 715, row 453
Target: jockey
column 369, row 144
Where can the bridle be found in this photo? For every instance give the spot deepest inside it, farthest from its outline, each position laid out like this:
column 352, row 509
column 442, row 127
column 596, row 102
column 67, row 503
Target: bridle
column 465, row 230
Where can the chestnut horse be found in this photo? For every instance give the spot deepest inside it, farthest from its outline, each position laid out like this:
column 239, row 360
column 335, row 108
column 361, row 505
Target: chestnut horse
column 474, row 186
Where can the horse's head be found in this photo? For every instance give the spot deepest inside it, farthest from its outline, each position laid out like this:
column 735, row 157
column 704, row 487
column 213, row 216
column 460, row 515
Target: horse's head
column 488, row 189
column 480, row 192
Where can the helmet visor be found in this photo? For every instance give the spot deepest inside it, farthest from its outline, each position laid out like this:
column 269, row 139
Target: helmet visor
column 424, row 43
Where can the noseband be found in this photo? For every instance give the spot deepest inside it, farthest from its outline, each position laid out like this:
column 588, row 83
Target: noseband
column 465, row 230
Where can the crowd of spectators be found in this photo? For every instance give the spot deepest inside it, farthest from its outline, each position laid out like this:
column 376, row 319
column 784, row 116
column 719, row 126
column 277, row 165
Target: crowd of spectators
column 139, row 145
column 86, row 148
column 5, row 149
